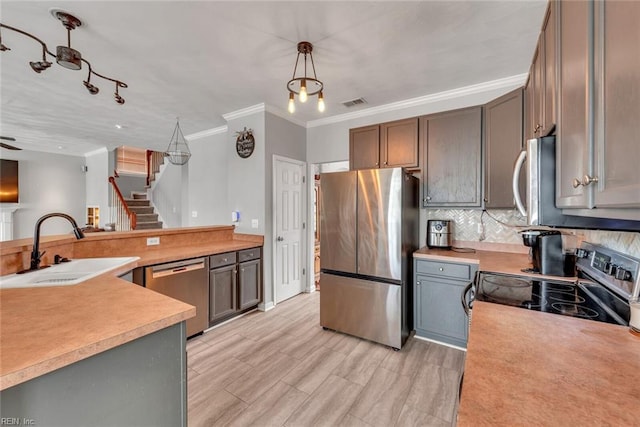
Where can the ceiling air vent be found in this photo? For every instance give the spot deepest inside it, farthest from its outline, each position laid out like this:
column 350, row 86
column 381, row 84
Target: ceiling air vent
column 354, row 102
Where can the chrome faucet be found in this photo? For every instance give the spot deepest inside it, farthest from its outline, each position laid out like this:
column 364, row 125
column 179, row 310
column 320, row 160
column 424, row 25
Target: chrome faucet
column 36, row 255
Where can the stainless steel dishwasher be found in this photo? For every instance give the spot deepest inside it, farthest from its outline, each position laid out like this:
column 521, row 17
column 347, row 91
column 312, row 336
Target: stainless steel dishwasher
column 186, row 281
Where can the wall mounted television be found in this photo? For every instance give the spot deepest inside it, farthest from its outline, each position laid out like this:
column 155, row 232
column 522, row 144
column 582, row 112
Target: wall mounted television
column 9, row 181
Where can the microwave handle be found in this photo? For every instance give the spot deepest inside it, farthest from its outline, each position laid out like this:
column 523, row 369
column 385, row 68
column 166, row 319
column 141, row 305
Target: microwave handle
column 516, row 175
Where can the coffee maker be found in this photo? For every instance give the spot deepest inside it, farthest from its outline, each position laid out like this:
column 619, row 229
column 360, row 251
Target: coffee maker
column 546, row 252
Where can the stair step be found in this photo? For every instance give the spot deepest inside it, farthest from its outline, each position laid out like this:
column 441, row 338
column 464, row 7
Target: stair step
column 142, row 210
column 137, row 202
column 139, row 196
column 150, row 217
column 148, row 225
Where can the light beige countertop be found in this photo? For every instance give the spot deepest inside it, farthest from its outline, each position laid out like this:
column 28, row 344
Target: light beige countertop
column 44, row 329
column 531, row 368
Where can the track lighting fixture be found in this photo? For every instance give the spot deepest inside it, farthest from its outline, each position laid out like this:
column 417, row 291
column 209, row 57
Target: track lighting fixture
column 65, row 56
column 305, row 86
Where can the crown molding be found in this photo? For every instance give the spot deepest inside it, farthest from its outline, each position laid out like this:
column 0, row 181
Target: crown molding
column 512, row 81
column 205, row 133
column 244, row 112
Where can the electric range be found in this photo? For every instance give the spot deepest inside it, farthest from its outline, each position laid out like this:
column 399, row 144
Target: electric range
column 606, row 281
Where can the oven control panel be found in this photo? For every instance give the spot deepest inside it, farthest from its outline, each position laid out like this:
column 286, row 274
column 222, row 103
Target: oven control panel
column 613, row 268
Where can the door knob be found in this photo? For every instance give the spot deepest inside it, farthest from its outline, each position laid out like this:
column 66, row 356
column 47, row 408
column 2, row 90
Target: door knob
column 280, row 238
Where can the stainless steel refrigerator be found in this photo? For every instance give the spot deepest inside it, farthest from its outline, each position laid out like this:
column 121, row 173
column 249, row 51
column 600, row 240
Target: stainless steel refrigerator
column 369, row 224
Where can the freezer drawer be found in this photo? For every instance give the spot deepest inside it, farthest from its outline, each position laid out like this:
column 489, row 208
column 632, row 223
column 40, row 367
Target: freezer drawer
column 363, row 308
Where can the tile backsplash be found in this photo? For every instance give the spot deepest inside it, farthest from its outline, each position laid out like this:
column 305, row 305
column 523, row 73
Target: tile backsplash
column 502, row 226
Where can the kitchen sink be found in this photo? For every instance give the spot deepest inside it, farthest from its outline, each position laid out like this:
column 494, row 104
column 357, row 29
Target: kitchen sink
column 66, row 273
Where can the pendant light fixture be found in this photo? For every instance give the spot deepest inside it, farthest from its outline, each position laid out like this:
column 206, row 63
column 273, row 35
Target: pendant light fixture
column 305, row 85
column 178, row 151
column 66, row 56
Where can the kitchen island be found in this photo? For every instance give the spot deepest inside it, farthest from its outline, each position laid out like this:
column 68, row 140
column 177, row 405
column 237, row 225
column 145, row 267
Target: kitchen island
column 104, row 351
column 532, row 368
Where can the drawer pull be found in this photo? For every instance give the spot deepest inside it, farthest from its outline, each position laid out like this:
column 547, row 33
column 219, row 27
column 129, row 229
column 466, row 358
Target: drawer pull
column 441, row 269
column 224, row 260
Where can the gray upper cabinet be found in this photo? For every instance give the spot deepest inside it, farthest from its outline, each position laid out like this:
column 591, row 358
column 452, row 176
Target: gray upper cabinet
column 451, row 147
column 387, row 145
column 617, row 104
column 574, row 135
column 536, row 102
column 399, row 144
column 503, row 142
column 540, row 91
column 364, row 147
column 548, row 38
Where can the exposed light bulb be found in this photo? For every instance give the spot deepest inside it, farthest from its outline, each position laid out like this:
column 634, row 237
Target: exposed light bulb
column 292, row 104
column 321, row 102
column 303, row 91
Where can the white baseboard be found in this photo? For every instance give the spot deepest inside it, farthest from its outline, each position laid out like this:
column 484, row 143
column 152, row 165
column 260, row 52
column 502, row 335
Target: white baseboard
column 266, row 307
column 439, row 342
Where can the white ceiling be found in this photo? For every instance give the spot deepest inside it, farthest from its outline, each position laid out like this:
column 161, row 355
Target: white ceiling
column 201, row 59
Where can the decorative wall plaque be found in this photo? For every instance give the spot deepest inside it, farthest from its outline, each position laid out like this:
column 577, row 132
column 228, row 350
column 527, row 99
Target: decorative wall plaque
column 245, row 143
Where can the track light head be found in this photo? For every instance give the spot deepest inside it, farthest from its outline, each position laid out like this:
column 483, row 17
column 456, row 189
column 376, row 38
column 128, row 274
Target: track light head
column 119, row 99
column 91, row 88
column 39, row 66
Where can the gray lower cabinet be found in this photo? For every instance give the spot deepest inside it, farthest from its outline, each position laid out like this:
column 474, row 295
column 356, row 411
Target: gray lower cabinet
column 249, row 278
column 235, row 283
column 140, row 383
column 438, row 311
column 222, row 292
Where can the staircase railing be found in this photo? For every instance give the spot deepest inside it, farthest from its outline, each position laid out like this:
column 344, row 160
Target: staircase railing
column 154, row 160
column 125, row 218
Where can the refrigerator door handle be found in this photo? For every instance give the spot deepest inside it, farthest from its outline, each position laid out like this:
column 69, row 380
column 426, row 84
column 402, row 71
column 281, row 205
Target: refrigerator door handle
column 514, row 183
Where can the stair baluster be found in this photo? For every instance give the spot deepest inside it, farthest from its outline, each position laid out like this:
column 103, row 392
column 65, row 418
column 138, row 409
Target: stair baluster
column 125, row 218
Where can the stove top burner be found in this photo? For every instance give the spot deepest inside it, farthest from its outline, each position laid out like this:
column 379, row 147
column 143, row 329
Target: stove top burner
column 574, row 310
column 585, row 300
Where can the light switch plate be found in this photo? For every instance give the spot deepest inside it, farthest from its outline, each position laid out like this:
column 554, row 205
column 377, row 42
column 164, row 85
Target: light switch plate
column 194, row 214
column 153, row 241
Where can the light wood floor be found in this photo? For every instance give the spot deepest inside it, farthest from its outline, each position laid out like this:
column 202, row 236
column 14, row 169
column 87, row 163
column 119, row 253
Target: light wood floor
column 280, row 368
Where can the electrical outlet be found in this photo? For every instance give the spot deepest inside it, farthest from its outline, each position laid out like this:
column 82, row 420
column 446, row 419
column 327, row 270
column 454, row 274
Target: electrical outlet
column 194, row 214
column 480, row 228
column 254, row 223
column 153, row 241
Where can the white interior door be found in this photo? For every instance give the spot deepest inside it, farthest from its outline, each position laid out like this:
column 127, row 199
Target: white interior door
column 289, row 227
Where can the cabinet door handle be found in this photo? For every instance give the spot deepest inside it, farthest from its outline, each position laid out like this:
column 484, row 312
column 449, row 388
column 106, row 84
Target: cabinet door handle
column 280, row 238
column 418, row 283
column 385, row 163
column 441, row 269
column 586, row 181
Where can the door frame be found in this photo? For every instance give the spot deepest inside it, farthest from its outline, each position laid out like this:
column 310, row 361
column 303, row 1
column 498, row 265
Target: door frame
column 304, row 213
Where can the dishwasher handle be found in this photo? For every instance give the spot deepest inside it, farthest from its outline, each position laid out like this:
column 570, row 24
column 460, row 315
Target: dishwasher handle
column 176, row 268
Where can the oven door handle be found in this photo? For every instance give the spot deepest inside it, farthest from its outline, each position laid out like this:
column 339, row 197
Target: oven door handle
column 467, row 303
